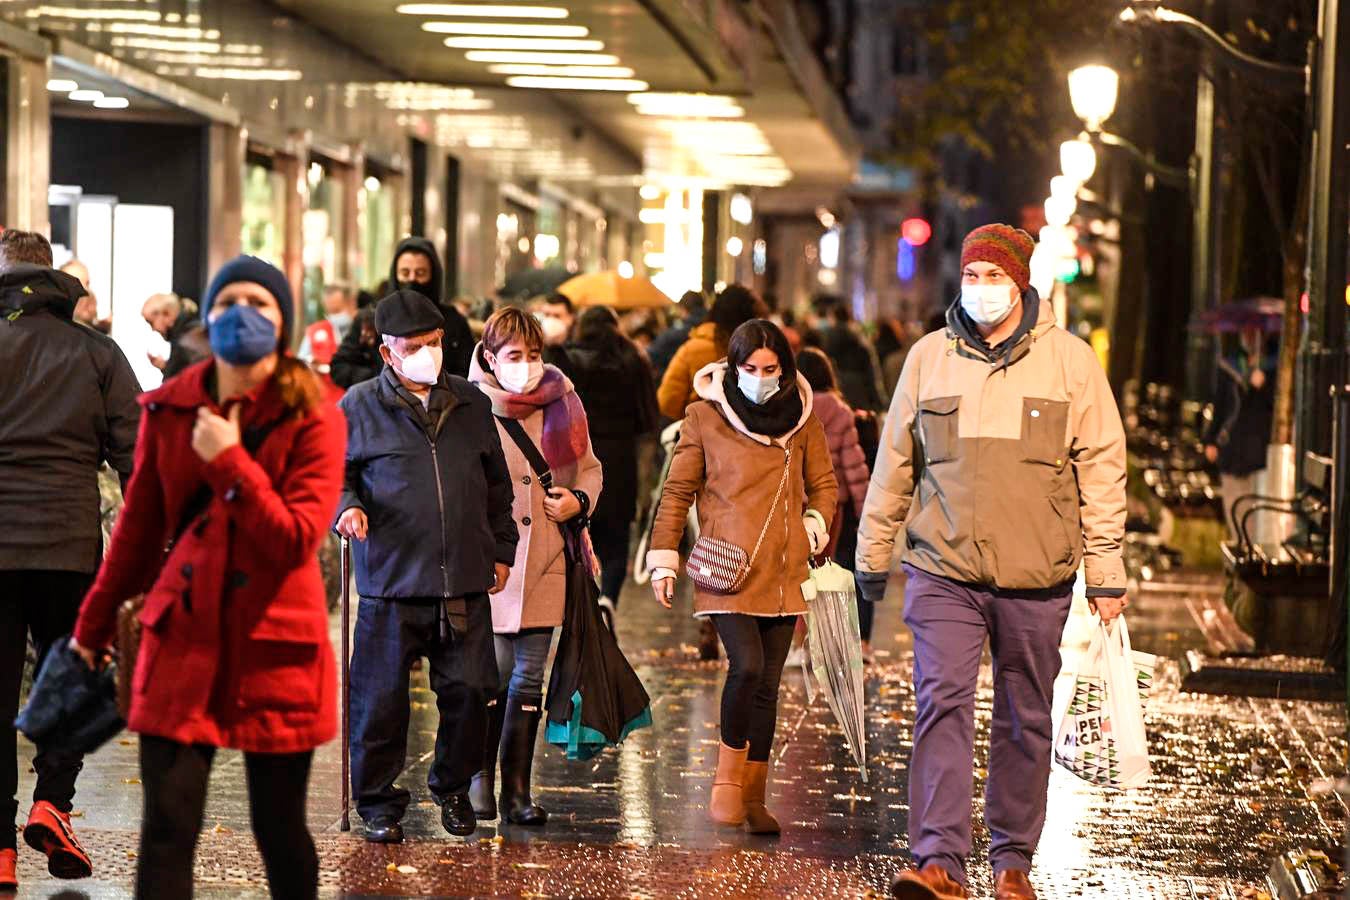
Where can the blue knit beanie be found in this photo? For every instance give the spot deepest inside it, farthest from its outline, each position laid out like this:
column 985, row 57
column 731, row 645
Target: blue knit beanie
column 257, row 271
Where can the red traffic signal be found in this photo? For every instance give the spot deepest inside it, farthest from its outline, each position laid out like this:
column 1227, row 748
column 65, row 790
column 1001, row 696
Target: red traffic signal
column 916, row 231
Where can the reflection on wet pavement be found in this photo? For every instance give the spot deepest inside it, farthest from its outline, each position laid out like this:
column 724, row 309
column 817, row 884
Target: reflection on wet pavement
column 1234, row 781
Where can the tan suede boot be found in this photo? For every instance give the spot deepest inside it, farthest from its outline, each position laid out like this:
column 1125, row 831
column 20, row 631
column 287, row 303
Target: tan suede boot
column 726, row 806
column 757, row 818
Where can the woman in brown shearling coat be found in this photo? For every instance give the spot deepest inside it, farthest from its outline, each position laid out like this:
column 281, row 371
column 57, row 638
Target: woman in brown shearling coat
column 754, row 421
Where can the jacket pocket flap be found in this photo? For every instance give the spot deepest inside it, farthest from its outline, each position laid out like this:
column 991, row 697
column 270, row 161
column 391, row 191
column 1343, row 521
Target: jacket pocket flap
column 157, row 605
column 290, row 626
column 941, row 406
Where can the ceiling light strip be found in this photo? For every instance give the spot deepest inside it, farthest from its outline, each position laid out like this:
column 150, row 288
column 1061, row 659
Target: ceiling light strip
column 510, row 43
column 540, row 82
column 506, row 29
column 502, row 11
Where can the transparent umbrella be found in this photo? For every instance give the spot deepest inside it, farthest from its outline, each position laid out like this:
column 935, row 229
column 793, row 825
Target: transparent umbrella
column 836, row 653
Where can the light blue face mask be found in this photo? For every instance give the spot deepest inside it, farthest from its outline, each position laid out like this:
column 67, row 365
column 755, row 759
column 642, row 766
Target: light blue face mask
column 756, row 389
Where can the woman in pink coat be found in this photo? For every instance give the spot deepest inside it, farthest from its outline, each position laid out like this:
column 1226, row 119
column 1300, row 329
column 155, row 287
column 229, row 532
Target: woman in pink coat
column 850, row 468
column 508, row 366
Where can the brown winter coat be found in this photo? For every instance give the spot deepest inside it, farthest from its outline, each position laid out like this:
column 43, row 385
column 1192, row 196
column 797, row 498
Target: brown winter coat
column 677, row 385
column 1001, row 475
column 733, row 474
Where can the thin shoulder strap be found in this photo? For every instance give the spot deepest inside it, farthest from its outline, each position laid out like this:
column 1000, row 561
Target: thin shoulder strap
column 773, row 507
column 532, row 455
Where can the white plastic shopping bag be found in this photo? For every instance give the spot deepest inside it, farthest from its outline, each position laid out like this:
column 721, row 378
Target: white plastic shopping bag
column 1101, row 736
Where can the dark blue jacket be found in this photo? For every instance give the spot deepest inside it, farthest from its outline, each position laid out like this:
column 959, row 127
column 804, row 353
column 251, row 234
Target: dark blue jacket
column 434, row 486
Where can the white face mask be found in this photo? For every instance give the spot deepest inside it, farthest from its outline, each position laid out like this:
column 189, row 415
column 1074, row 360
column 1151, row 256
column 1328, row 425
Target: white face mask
column 988, row 304
column 555, row 331
column 341, row 321
column 423, row 366
column 756, row 389
column 519, row 377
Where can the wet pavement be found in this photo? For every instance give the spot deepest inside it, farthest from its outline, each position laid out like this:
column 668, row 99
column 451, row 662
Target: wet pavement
column 1235, row 780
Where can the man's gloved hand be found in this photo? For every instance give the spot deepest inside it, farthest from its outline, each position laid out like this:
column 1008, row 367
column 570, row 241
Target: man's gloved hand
column 871, row 585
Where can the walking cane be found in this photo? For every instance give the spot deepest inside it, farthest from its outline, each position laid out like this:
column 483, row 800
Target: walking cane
column 345, row 823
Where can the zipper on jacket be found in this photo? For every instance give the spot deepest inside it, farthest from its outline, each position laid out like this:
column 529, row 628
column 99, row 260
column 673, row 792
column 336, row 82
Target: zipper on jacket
column 787, row 531
column 440, row 505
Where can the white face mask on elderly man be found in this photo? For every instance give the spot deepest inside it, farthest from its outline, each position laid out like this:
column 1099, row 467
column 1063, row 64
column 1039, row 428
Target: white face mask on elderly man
column 988, row 304
column 422, row 366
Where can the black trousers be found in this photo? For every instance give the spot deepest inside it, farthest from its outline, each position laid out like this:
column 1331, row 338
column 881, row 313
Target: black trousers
column 757, row 647
column 390, row 634
column 45, row 604
column 175, row 776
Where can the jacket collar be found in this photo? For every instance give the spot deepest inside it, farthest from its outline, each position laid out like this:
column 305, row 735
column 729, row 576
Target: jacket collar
column 709, row 385
column 191, row 389
column 1038, row 317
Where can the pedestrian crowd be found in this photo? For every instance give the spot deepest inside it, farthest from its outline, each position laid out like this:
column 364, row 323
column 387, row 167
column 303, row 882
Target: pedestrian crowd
column 469, row 458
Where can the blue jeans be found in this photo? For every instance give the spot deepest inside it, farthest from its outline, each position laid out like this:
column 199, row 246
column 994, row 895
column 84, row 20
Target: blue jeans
column 521, row 658
column 389, row 636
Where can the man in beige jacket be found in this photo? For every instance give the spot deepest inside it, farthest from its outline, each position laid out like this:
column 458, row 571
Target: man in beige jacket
column 1003, row 465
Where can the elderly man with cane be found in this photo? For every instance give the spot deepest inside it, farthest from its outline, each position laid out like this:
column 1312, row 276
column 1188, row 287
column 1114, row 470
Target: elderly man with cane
column 428, row 501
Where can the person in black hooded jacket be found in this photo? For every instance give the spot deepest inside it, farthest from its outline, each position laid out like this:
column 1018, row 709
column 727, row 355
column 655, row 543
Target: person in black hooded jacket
column 616, row 386
column 68, row 404
column 416, row 267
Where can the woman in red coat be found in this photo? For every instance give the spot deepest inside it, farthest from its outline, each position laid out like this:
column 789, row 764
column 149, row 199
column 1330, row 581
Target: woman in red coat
column 238, row 467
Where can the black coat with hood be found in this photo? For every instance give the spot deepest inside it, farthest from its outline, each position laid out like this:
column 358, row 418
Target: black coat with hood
column 358, row 359
column 68, row 405
column 617, row 389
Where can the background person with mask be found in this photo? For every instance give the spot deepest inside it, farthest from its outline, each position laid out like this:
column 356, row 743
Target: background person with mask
column 241, row 458
column 68, row 404
column 508, row 367
column 557, row 317
column 416, row 267
column 1003, row 460
column 323, row 337
column 756, row 458
column 428, row 502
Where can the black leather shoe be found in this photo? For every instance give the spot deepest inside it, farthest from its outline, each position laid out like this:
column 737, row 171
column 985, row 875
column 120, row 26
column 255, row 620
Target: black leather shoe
column 457, row 815
column 384, row 830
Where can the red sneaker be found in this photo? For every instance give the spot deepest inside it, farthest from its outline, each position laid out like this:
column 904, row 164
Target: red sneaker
column 9, row 876
column 49, row 830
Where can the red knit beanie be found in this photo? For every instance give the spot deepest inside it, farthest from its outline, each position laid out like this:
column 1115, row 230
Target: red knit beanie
column 1006, row 247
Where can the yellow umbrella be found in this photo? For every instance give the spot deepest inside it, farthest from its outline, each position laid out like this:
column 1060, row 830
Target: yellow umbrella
column 612, row 289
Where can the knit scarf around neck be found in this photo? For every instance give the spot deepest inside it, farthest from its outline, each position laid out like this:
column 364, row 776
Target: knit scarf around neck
column 774, row 417
column 565, row 434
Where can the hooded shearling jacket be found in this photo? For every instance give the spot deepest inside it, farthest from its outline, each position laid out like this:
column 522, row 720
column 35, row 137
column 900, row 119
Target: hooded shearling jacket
column 1000, row 470
column 734, row 473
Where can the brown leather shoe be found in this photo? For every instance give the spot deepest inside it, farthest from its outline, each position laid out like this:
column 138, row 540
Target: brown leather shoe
column 1013, row 884
column 929, row 883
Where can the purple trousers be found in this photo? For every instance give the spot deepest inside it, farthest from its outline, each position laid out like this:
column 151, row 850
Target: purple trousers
column 950, row 622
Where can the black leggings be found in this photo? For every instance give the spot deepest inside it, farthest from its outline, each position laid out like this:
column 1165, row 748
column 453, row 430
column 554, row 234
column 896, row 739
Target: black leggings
column 757, row 647
column 175, row 777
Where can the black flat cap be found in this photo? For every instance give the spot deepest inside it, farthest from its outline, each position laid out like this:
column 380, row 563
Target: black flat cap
column 405, row 313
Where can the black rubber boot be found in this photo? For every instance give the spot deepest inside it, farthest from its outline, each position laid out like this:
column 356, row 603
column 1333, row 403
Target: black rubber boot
column 519, row 730
column 483, row 789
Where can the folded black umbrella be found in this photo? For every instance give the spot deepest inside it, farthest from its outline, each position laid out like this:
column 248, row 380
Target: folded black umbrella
column 71, row 707
column 595, row 699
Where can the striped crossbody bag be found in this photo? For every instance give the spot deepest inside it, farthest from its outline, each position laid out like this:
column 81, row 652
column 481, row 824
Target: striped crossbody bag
column 720, row 567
